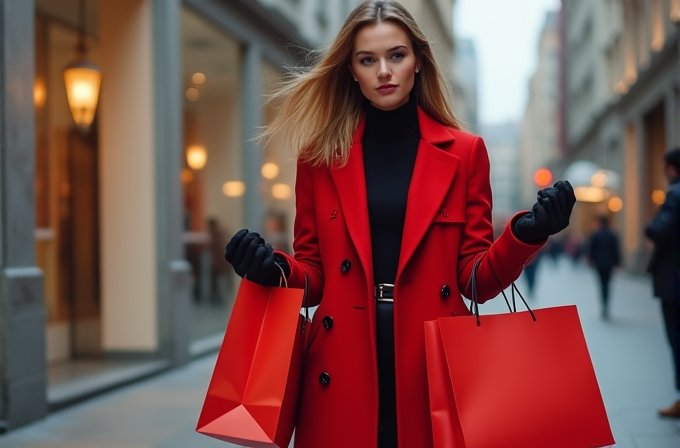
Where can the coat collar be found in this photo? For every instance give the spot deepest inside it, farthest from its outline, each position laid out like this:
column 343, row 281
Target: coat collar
column 431, row 130
column 433, row 174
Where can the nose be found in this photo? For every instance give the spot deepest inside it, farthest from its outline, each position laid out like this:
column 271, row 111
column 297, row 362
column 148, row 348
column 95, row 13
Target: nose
column 384, row 71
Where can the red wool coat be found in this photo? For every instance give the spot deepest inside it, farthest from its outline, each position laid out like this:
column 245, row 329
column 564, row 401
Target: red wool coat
column 447, row 227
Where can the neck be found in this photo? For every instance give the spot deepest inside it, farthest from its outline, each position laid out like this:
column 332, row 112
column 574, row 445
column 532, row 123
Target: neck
column 391, row 126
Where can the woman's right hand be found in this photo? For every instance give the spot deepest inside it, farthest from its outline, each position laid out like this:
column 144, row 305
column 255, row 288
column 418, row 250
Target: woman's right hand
column 252, row 258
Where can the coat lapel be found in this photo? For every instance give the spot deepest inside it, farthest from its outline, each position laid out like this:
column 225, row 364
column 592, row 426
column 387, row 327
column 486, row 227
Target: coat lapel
column 350, row 184
column 432, row 178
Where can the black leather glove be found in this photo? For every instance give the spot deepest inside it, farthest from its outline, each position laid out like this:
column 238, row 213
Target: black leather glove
column 549, row 215
column 255, row 260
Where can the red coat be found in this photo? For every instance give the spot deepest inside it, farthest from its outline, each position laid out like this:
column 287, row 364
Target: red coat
column 447, row 226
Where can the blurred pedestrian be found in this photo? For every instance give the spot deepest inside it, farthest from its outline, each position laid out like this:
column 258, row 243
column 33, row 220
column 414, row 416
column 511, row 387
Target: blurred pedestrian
column 393, row 203
column 530, row 274
column 664, row 231
column 554, row 249
column 604, row 256
column 574, row 247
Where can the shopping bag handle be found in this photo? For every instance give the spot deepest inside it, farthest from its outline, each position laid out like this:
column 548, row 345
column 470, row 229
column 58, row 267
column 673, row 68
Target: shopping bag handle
column 283, row 280
column 474, row 306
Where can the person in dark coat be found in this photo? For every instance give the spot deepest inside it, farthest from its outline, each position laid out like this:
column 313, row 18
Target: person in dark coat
column 604, row 256
column 664, row 265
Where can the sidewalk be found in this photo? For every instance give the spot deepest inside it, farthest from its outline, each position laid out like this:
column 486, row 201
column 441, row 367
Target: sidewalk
column 630, row 354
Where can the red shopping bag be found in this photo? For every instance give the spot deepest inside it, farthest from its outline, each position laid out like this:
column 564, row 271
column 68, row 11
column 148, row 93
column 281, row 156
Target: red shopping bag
column 254, row 391
column 517, row 380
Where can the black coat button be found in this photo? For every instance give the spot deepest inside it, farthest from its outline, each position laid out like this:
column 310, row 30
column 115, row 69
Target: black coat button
column 324, row 379
column 344, row 267
column 445, row 292
column 327, row 322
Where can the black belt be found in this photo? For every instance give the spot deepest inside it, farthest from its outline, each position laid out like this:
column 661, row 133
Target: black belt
column 384, row 292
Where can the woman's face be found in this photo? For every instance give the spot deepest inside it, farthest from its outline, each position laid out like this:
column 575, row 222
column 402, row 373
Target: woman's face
column 384, row 63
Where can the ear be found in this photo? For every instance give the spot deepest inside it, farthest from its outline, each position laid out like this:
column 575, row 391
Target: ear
column 349, row 66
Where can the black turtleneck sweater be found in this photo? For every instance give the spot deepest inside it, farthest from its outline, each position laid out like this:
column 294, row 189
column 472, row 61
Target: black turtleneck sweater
column 390, row 145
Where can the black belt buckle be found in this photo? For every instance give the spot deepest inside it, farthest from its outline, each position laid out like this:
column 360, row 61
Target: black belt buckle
column 384, row 292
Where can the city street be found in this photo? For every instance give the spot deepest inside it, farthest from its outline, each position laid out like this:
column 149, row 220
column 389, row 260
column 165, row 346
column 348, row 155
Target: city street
column 630, row 354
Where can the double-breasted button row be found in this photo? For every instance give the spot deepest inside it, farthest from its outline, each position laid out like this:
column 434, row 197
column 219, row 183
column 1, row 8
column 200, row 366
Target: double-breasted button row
column 324, row 378
column 345, row 265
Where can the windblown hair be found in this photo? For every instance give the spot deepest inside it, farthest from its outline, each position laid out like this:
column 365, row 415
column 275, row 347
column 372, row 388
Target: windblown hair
column 319, row 108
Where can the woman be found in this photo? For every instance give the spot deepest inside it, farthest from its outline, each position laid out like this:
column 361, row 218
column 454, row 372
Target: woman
column 393, row 207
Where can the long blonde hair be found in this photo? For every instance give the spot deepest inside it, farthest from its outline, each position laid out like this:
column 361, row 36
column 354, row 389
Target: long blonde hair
column 319, row 108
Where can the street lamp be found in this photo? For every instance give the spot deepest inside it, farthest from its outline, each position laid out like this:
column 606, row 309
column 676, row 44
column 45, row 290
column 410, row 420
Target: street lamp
column 82, row 79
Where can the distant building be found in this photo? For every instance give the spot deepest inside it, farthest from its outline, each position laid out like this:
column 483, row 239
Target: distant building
column 502, row 143
column 539, row 142
column 466, row 97
column 621, row 107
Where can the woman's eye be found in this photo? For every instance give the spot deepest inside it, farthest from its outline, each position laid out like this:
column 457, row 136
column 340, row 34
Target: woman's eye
column 366, row 60
column 397, row 56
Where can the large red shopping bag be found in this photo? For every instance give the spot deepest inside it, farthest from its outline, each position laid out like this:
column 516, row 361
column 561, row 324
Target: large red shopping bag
column 254, row 391
column 515, row 380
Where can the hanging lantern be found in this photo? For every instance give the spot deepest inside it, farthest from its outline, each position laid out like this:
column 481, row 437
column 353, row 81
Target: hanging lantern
column 197, row 156
column 82, row 79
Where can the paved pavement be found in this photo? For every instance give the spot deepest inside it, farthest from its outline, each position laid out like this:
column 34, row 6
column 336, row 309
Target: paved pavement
column 631, row 360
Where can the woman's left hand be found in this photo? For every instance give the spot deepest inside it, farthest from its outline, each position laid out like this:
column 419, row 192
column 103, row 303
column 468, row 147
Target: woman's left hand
column 549, row 215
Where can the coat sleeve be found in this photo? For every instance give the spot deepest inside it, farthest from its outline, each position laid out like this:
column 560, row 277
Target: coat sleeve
column 306, row 259
column 501, row 261
column 665, row 223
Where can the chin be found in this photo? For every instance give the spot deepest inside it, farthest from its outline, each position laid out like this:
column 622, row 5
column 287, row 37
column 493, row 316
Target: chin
column 388, row 103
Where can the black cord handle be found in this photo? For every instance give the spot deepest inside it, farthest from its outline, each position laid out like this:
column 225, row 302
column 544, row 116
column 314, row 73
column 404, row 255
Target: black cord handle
column 284, row 281
column 474, row 306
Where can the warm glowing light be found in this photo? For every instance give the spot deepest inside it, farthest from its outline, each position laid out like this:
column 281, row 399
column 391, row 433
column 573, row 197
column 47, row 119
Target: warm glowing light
column 590, row 194
column 193, row 94
column 197, row 156
column 270, row 170
column 658, row 197
column 615, row 204
column 543, row 177
column 82, row 81
column 599, row 179
column 186, row 176
column 198, row 78
column 39, row 93
column 281, row 191
column 233, row 188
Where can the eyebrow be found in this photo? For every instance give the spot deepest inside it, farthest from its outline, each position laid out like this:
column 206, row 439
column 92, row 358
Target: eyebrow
column 391, row 49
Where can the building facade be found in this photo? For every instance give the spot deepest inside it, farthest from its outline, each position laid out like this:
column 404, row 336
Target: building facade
column 539, row 138
column 622, row 84
column 502, row 143
column 112, row 234
column 466, row 89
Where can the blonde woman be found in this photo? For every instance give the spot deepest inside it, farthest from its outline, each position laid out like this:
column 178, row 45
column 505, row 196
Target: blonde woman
column 393, row 206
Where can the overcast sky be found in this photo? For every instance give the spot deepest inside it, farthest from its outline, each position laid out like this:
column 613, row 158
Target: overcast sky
column 505, row 33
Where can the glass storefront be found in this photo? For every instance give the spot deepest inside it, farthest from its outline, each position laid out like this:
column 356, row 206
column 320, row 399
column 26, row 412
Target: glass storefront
column 66, row 197
column 211, row 176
